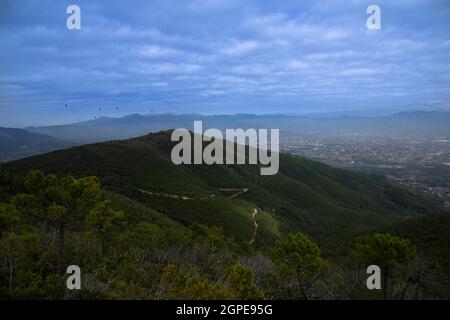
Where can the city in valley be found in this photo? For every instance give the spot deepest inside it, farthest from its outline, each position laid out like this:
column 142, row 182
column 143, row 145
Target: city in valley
column 420, row 162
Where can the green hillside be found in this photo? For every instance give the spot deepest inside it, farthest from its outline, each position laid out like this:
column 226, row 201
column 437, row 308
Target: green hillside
column 429, row 233
column 20, row 143
column 330, row 205
column 142, row 228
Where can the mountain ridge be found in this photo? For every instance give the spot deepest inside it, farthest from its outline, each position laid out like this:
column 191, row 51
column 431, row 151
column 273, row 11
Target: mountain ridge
column 19, row 143
column 325, row 202
column 410, row 123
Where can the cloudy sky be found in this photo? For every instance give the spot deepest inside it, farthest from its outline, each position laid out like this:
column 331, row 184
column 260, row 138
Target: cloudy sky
column 220, row 57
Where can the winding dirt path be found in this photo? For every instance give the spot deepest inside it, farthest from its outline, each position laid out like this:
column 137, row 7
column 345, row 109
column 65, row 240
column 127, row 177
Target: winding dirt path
column 176, row 196
column 236, row 193
column 255, row 224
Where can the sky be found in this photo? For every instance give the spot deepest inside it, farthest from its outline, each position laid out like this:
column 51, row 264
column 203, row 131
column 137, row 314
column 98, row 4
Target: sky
column 220, row 57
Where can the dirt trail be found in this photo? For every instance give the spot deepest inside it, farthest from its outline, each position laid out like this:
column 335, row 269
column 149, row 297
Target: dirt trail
column 254, row 213
column 237, row 192
column 176, row 196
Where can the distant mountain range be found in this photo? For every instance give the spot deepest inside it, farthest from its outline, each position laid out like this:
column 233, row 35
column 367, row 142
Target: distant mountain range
column 134, row 125
column 19, row 143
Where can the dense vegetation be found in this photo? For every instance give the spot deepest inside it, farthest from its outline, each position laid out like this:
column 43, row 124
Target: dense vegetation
column 111, row 209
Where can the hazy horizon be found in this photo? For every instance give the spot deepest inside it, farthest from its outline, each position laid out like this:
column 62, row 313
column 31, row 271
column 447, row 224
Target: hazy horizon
column 325, row 114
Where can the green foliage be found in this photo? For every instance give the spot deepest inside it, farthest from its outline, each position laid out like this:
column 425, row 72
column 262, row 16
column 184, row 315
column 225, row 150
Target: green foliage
column 22, row 253
column 385, row 250
column 57, row 200
column 430, row 235
column 146, row 235
column 10, row 185
column 210, row 236
column 102, row 219
column 389, row 252
column 298, row 256
column 240, row 279
column 133, row 245
column 186, row 282
column 298, row 260
column 10, row 217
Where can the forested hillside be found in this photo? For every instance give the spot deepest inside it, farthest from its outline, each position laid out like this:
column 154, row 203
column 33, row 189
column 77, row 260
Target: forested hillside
column 141, row 227
column 19, row 143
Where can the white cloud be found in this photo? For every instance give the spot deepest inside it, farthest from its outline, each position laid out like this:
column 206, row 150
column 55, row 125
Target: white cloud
column 361, row 72
column 154, row 51
column 165, row 68
column 240, row 48
column 210, row 5
column 279, row 26
column 297, row 64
